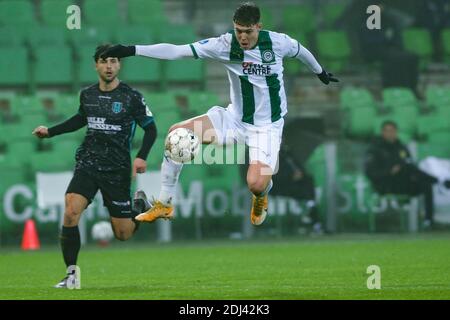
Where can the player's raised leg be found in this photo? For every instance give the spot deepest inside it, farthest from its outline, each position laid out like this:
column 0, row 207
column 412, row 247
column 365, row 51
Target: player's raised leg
column 75, row 204
column 170, row 170
column 259, row 182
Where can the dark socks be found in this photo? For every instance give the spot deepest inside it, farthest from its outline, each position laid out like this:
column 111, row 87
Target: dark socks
column 70, row 244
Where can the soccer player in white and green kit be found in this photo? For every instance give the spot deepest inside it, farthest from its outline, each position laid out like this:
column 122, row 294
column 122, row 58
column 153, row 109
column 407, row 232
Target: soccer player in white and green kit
column 253, row 59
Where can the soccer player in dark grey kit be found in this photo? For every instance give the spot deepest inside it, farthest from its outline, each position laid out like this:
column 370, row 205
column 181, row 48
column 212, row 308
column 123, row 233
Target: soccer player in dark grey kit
column 110, row 109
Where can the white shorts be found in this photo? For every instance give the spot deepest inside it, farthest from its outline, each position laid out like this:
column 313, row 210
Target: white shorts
column 263, row 141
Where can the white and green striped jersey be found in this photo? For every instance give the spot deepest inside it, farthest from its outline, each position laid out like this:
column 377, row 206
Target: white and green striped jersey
column 256, row 76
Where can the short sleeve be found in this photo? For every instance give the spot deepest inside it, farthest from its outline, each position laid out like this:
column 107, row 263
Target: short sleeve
column 212, row 48
column 290, row 47
column 141, row 111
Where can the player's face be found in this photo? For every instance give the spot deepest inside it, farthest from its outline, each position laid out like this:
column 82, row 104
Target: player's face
column 389, row 133
column 247, row 36
column 108, row 68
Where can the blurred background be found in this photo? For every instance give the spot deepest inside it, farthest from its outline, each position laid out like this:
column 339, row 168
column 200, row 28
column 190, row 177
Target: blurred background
column 400, row 72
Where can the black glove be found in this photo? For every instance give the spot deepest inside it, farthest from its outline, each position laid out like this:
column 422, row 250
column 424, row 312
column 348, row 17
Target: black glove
column 119, row 51
column 326, row 77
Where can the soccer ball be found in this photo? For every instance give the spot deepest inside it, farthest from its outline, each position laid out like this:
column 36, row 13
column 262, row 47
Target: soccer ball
column 181, row 145
column 102, row 232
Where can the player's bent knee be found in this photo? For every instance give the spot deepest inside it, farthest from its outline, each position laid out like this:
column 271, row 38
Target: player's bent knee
column 122, row 235
column 71, row 211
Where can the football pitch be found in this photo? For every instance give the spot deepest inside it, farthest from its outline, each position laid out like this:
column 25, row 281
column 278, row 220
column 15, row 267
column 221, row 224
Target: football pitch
column 330, row 267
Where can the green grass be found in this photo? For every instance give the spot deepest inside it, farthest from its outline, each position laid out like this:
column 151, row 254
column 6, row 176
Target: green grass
column 327, row 268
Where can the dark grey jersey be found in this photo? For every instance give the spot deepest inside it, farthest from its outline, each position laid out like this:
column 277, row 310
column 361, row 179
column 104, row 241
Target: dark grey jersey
column 111, row 119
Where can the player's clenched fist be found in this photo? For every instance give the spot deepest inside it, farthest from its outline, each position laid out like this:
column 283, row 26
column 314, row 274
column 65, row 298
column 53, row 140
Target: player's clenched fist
column 41, row 132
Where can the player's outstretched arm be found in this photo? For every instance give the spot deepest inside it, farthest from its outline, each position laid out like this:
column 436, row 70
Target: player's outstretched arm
column 308, row 59
column 72, row 124
column 163, row 51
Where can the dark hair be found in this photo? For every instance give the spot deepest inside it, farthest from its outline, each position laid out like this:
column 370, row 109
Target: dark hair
column 388, row 123
column 247, row 14
column 100, row 49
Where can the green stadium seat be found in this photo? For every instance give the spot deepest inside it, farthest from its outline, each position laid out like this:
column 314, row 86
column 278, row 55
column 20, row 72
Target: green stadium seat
column 351, row 97
column 6, row 38
column 46, row 36
column 19, row 131
column 445, row 39
column 186, row 70
column 331, row 13
column 177, row 34
column 399, row 97
column 267, row 19
column 86, row 65
column 406, row 119
column 444, row 113
column 428, row 124
column 146, row 12
column 7, row 95
column 405, row 137
column 14, row 66
column 419, row 41
column 54, row 12
column 30, row 104
column 165, row 120
column 12, row 173
column 53, row 65
column 135, row 35
column 6, row 98
column 439, row 138
column 201, row 102
column 46, row 161
column 8, row 113
column 20, row 151
column 16, row 12
column 65, row 149
column 438, row 97
column 361, row 121
column 299, row 18
column 49, row 102
column 30, row 121
column 160, row 102
column 91, row 36
column 425, row 150
column 102, row 12
column 67, row 104
column 334, row 49
column 141, row 70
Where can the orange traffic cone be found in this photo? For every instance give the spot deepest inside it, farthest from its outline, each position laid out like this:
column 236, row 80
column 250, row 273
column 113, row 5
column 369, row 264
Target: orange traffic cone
column 30, row 240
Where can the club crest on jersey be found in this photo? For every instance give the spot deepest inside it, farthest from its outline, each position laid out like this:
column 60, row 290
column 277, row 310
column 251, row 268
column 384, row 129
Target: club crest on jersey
column 117, row 107
column 268, row 56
